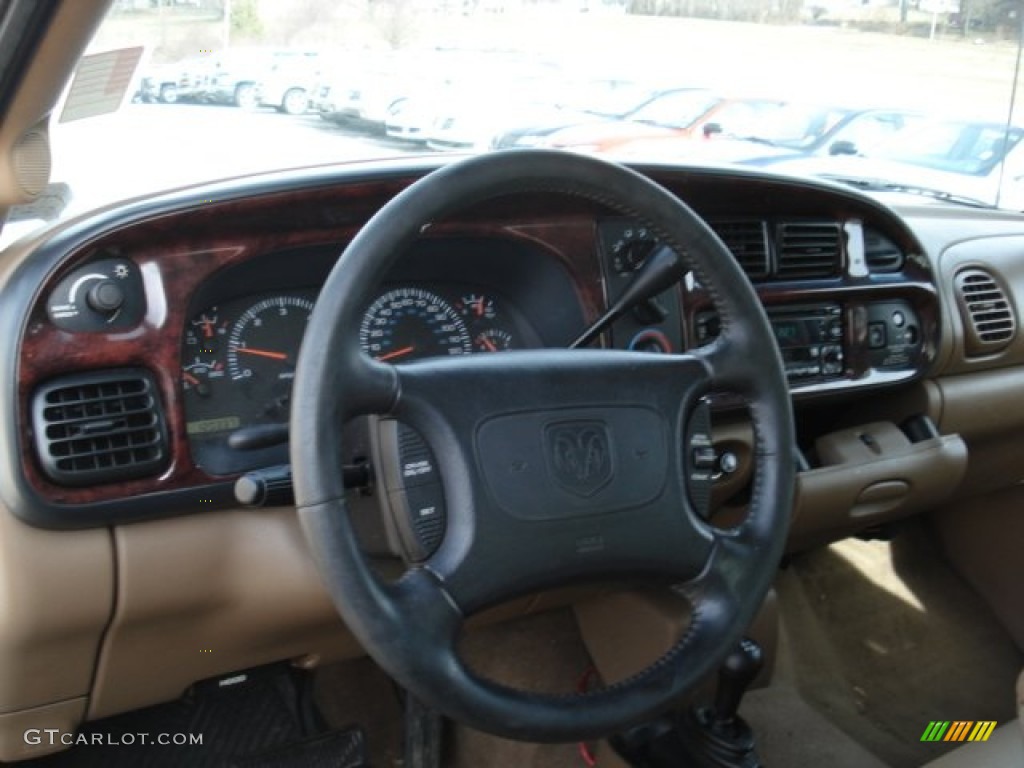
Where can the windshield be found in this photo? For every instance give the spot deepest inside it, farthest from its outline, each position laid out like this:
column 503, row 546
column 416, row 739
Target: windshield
column 228, row 88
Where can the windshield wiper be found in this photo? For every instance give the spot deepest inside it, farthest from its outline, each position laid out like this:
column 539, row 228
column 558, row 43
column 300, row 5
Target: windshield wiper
column 881, row 185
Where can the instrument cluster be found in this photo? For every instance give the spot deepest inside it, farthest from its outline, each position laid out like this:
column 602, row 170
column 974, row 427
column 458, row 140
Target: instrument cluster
column 238, row 358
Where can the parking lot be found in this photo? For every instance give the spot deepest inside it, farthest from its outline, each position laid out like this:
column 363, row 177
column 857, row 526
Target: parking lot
column 852, row 68
column 219, row 142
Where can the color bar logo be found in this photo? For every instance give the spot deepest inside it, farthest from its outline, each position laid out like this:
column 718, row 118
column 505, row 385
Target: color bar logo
column 958, row 730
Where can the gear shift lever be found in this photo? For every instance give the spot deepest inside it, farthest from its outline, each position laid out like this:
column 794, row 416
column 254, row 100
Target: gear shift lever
column 716, row 736
column 703, row 737
column 736, row 674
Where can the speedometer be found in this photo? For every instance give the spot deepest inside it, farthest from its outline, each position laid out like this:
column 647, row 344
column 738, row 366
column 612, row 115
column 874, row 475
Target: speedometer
column 412, row 323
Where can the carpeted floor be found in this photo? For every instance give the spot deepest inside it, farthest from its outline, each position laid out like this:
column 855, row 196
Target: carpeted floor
column 358, row 692
column 541, row 653
column 791, row 734
column 886, row 638
column 880, row 638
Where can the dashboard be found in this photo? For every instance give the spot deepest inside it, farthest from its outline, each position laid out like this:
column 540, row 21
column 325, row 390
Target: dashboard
column 152, row 349
column 189, row 318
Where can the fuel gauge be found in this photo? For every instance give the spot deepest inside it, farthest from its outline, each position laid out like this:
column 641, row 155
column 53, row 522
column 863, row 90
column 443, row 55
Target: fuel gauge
column 206, row 331
column 475, row 307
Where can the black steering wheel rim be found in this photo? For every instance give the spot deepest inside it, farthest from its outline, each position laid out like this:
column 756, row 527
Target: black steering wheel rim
column 410, row 627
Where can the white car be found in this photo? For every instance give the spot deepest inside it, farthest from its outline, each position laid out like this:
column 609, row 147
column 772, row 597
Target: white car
column 965, row 159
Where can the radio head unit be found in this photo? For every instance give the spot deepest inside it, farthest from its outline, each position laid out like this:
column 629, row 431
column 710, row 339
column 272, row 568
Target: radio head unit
column 810, row 338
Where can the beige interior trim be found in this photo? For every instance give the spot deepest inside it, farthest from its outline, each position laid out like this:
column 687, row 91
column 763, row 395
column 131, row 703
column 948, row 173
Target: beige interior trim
column 69, row 35
column 56, row 594
column 983, row 539
column 867, row 487
column 208, row 595
column 19, row 731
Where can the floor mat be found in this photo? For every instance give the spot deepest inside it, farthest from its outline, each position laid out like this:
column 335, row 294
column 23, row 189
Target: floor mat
column 887, row 638
column 217, row 724
column 358, row 691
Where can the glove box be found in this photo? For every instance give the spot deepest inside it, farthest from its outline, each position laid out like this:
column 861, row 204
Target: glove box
column 871, row 474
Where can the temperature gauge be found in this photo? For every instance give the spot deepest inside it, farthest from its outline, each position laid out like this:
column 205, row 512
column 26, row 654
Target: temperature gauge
column 200, row 366
column 492, row 340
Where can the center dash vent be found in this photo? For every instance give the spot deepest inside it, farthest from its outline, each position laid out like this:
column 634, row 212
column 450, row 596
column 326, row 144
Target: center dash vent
column 99, row 427
column 808, row 250
column 748, row 241
column 986, row 313
column 881, row 253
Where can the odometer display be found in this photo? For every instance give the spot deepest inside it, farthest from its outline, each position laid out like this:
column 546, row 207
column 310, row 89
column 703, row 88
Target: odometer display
column 413, row 323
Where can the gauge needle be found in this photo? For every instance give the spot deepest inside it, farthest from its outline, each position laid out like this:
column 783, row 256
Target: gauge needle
column 395, row 353
column 190, row 378
column 488, row 343
column 262, row 353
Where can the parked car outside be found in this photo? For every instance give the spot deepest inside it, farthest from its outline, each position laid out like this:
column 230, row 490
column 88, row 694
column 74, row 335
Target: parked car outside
column 790, row 131
column 686, row 113
column 363, row 94
column 586, row 113
column 179, row 81
column 254, row 77
column 470, row 118
column 288, row 85
column 474, row 112
column 160, row 84
column 962, row 158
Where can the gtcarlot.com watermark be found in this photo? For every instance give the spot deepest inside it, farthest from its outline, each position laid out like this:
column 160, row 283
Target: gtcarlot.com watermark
column 54, row 736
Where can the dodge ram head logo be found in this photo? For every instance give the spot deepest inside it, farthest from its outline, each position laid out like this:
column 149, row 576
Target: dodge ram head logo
column 579, row 455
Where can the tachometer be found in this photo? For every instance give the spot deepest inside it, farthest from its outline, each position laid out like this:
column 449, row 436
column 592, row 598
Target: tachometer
column 262, row 348
column 237, row 366
column 412, row 323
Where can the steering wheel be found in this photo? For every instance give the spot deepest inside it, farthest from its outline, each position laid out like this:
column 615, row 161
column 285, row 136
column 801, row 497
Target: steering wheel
column 557, row 465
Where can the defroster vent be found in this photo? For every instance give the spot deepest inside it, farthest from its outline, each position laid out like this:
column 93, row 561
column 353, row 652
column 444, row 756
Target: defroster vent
column 99, row 427
column 989, row 321
column 808, row 249
column 881, row 253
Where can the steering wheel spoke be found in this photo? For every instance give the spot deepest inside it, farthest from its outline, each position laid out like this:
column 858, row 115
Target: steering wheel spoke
column 558, row 466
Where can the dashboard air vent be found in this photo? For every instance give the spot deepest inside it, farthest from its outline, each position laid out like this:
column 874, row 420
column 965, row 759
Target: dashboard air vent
column 99, row 427
column 989, row 321
column 748, row 242
column 808, row 250
column 882, row 254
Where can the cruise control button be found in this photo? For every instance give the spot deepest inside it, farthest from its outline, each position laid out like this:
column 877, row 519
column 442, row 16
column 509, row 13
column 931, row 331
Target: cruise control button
column 704, row 457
